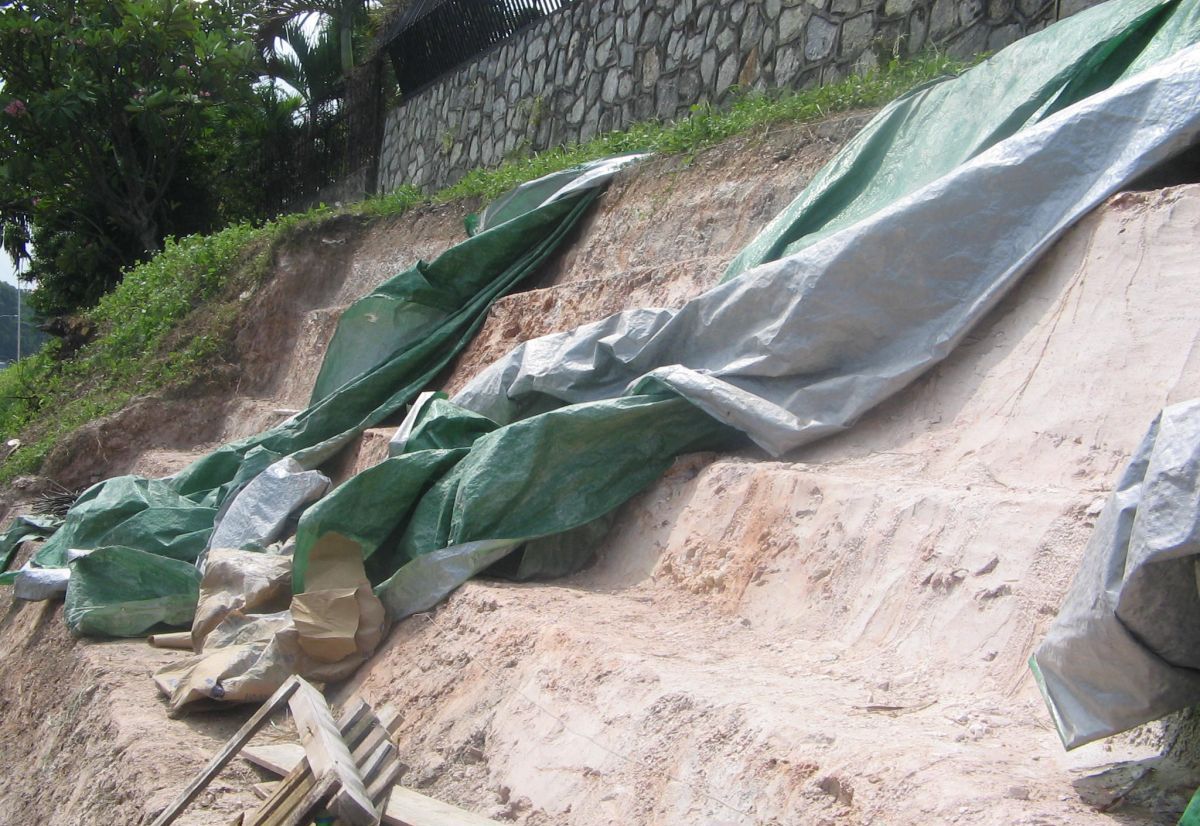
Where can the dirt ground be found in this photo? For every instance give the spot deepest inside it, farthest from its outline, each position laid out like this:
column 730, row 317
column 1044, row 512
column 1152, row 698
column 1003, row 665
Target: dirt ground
column 838, row 637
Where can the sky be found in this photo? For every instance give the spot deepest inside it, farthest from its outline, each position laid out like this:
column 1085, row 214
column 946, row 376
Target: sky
column 8, row 273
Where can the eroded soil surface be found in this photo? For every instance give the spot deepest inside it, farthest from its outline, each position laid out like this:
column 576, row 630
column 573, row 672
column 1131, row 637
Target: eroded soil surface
column 838, row 637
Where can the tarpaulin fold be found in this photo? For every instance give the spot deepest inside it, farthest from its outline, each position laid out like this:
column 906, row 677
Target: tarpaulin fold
column 800, row 348
column 373, row 369
column 1124, row 648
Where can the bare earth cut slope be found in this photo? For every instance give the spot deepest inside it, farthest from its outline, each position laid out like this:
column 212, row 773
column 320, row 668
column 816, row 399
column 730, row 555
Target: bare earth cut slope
column 840, row 636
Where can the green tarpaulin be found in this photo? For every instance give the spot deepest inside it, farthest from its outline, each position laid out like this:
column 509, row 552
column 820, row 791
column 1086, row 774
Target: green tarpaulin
column 387, row 348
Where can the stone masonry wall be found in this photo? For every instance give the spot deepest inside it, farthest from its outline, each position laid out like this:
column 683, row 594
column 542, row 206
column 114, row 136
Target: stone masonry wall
column 599, row 65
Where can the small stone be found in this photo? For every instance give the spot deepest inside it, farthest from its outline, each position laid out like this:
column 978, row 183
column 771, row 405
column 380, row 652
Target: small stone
column 838, row 789
column 988, row 594
column 987, row 567
column 1017, row 792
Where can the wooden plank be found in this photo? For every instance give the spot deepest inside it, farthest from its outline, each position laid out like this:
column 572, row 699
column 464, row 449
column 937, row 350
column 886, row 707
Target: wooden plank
column 235, row 743
column 279, row 758
column 328, row 755
column 408, row 808
column 379, row 760
column 289, row 801
column 301, row 814
column 381, row 787
column 299, row 778
column 264, row 790
column 287, row 793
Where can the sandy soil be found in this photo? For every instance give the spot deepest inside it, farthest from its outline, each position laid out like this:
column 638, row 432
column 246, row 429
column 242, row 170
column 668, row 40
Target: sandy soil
column 840, row 637
column 835, row 638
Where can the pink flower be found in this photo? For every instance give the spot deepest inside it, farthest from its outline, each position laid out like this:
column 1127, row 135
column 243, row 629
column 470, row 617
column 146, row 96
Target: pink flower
column 16, row 108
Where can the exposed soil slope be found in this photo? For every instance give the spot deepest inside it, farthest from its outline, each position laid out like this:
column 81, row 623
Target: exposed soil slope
column 840, row 637
column 82, row 732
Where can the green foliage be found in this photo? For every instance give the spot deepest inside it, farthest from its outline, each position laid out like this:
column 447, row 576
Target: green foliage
column 165, row 325
column 123, row 121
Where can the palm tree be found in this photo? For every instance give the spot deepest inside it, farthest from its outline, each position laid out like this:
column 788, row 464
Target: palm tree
column 309, row 66
column 340, row 17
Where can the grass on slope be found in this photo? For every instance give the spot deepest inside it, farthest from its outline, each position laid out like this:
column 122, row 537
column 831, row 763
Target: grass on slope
column 194, row 284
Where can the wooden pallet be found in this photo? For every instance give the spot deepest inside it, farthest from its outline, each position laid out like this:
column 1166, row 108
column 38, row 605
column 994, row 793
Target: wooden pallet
column 405, row 807
column 366, row 738
column 348, row 766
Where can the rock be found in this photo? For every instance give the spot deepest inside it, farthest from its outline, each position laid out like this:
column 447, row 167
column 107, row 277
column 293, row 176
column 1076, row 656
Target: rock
column 708, row 67
column 987, row 567
column 787, row 64
column 791, row 23
column 608, row 92
column 818, row 44
column 651, row 69
column 943, row 19
column 728, row 73
column 857, row 33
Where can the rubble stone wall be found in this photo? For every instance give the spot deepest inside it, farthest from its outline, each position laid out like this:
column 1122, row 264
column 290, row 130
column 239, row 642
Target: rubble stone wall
column 600, row 65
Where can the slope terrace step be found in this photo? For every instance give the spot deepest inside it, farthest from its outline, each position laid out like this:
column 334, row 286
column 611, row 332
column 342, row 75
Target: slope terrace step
column 525, row 315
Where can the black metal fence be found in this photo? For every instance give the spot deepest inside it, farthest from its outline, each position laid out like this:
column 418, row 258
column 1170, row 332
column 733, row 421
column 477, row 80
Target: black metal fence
column 432, row 37
column 334, row 154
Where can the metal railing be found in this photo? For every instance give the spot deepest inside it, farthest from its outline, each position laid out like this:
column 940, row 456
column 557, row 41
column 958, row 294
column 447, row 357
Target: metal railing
column 433, row 37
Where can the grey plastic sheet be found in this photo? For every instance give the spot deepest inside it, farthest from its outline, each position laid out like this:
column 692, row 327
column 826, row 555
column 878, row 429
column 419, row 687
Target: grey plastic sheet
column 554, row 187
column 258, row 514
column 800, row 348
column 1124, row 648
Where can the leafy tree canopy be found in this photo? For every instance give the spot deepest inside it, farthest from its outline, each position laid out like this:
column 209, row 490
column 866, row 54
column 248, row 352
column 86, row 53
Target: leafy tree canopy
column 122, row 122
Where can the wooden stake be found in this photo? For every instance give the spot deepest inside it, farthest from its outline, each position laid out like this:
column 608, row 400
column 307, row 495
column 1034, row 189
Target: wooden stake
column 235, row 743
